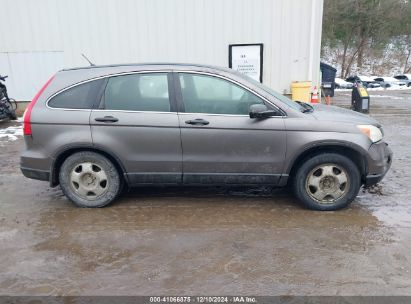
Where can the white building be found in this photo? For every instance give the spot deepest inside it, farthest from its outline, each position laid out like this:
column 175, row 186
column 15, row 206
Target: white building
column 37, row 38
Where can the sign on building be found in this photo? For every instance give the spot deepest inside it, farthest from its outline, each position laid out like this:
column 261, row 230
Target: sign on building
column 247, row 59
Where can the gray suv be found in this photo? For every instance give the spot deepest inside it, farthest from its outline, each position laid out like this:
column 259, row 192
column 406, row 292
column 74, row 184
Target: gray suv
column 94, row 130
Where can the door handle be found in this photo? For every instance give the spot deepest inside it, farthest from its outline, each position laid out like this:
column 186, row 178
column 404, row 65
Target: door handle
column 106, row 119
column 198, row 121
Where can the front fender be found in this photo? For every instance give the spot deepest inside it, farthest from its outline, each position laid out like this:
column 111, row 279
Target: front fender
column 300, row 144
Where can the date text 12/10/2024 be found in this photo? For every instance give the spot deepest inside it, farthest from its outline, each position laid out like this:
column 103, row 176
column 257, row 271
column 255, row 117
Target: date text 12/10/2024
column 203, row 299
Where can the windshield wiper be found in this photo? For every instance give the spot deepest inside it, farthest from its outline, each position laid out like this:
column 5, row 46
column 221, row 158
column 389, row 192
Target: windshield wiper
column 306, row 107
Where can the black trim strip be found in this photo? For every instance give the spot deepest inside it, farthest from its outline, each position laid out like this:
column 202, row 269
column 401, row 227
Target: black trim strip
column 172, row 98
column 179, row 94
column 231, row 178
column 155, row 178
column 42, row 175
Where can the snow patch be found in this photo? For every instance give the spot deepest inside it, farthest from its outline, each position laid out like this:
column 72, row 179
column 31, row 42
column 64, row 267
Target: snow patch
column 394, row 88
column 11, row 133
column 387, row 96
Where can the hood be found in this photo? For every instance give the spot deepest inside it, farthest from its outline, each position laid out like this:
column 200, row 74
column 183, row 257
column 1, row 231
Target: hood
column 333, row 113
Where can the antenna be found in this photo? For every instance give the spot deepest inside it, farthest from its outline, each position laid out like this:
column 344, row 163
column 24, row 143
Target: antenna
column 84, row 56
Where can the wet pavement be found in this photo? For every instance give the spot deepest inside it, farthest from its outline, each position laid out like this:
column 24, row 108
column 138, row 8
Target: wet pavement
column 209, row 241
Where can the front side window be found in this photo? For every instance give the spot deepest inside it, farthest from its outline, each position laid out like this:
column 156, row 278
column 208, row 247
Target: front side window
column 81, row 96
column 138, row 92
column 213, row 95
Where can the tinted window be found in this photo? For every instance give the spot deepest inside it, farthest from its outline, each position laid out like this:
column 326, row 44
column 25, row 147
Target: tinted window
column 208, row 94
column 138, row 92
column 401, row 77
column 81, row 96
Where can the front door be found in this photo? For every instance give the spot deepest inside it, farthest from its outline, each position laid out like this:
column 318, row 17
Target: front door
column 137, row 122
column 221, row 143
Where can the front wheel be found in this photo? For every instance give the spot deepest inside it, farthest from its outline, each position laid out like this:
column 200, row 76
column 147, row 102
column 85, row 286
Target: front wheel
column 327, row 182
column 89, row 179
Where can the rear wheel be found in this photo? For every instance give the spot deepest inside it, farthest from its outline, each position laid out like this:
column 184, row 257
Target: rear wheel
column 327, row 182
column 89, row 179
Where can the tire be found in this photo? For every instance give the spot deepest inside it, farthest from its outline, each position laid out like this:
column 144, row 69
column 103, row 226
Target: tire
column 319, row 182
column 6, row 108
column 89, row 180
column 13, row 115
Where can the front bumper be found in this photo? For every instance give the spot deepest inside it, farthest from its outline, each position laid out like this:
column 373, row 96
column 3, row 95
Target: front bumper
column 379, row 160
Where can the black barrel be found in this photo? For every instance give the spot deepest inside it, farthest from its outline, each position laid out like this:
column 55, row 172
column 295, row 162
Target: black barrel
column 327, row 79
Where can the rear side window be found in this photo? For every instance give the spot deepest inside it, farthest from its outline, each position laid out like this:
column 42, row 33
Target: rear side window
column 138, row 92
column 82, row 96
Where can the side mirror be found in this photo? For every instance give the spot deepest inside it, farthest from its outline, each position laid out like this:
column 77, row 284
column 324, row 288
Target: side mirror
column 261, row 111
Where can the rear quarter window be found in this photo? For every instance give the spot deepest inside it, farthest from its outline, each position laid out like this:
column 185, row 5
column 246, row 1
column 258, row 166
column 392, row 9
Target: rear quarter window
column 82, row 96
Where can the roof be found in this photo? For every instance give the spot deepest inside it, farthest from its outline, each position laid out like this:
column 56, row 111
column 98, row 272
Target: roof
column 406, row 75
column 148, row 64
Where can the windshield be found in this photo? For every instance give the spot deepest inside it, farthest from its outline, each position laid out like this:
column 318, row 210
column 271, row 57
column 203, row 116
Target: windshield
column 280, row 97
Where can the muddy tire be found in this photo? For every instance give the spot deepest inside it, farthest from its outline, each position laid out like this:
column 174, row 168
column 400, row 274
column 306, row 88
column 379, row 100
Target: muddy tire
column 327, row 182
column 13, row 115
column 89, row 180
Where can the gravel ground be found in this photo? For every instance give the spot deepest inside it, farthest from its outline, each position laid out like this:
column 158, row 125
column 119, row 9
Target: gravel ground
column 209, row 241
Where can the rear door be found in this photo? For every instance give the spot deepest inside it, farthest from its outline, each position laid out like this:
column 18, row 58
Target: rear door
column 137, row 123
column 221, row 143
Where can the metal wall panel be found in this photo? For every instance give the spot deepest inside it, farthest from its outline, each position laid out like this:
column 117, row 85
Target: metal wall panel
column 28, row 71
column 198, row 31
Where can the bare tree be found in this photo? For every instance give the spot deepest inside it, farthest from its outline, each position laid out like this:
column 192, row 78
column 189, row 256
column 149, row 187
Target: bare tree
column 359, row 26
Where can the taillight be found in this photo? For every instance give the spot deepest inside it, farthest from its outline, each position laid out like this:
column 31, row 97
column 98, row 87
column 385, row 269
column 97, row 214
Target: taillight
column 27, row 113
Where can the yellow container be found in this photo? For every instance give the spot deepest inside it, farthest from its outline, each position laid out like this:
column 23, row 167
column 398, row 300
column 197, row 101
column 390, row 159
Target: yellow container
column 301, row 91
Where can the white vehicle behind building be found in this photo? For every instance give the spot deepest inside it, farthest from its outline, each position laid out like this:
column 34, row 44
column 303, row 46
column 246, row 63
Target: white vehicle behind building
column 404, row 77
column 342, row 84
column 389, row 82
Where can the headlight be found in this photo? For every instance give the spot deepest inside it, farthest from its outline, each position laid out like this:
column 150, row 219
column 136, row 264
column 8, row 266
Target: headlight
column 372, row 132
